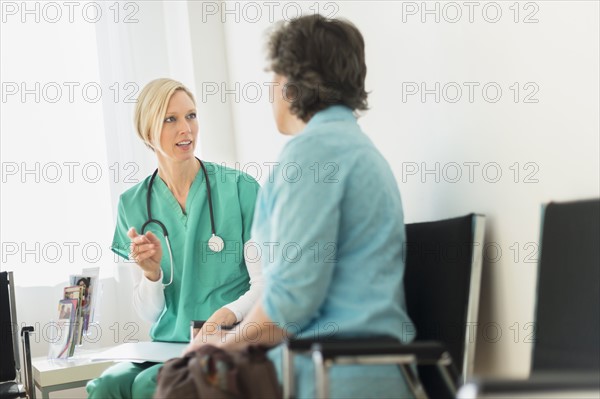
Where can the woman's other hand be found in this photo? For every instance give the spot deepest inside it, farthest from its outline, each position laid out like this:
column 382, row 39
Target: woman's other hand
column 213, row 336
column 146, row 251
column 222, row 317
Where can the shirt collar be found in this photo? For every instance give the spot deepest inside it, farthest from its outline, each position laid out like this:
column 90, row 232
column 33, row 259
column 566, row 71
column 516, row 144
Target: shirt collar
column 332, row 113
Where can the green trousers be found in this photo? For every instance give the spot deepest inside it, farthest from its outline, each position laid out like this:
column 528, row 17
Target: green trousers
column 125, row 381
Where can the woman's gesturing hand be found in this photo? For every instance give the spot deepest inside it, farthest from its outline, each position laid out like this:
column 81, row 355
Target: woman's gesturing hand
column 146, row 251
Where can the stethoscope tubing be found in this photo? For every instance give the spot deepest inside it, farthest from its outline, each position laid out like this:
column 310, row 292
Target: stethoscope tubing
column 164, row 228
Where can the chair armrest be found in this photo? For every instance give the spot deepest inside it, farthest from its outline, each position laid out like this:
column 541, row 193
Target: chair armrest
column 27, row 330
column 306, row 344
column 425, row 352
column 29, row 387
column 550, row 384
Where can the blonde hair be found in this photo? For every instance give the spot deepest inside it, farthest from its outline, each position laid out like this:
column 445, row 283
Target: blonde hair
column 151, row 109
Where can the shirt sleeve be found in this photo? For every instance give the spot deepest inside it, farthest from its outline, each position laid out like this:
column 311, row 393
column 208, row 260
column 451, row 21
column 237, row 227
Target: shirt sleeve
column 247, row 193
column 243, row 304
column 121, row 241
column 148, row 296
column 303, row 212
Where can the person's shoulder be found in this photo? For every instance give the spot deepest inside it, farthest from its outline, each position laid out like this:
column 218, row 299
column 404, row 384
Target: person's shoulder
column 326, row 142
column 135, row 193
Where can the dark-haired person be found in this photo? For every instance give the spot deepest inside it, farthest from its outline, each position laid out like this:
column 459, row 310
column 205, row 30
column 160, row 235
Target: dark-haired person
column 333, row 210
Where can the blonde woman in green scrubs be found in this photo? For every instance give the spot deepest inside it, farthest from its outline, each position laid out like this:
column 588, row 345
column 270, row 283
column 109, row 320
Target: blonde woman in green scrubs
column 199, row 283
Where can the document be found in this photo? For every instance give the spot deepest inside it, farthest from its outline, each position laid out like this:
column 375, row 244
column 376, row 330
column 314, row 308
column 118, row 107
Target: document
column 139, row 352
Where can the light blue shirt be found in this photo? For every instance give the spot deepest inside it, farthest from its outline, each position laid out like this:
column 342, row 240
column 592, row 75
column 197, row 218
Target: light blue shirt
column 331, row 229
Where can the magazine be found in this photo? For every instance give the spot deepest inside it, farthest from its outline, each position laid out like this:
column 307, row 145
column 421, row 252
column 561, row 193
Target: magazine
column 88, row 283
column 63, row 346
column 76, row 292
column 75, row 313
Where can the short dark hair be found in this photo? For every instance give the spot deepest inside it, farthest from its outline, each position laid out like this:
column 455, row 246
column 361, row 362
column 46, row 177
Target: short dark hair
column 324, row 62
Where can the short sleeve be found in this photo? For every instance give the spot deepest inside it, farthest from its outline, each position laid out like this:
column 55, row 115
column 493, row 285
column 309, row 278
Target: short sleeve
column 121, row 241
column 247, row 192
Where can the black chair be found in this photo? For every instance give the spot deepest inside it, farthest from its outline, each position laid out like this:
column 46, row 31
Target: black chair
column 566, row 353
column 442, row 282
column 10, row 362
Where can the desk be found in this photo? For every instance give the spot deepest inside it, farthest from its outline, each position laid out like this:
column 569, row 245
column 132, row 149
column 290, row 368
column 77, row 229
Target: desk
column 50, row 375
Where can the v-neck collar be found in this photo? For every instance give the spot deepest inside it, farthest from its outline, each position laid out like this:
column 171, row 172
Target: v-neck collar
column 172, row 201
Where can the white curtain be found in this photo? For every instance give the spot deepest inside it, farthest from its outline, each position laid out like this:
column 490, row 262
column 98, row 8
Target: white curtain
column 68, row 145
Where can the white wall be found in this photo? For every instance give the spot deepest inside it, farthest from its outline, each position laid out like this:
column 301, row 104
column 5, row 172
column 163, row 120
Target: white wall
column 555, row 141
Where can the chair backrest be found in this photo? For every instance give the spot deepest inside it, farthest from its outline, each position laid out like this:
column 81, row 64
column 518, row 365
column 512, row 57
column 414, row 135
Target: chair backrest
column 442, row 282
column 9, row 361
column 567, row 335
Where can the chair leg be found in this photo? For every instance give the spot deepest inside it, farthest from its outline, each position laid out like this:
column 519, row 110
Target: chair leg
column 321, row 375
column 414, row 383
column 447, row 375
column 287, row 368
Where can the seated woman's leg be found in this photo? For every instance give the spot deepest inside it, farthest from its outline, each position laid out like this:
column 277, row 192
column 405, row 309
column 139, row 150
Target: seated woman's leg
column 115, row 382
column 144, row 384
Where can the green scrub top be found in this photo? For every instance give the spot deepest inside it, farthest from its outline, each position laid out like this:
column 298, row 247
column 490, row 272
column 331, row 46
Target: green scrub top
column 203, row 281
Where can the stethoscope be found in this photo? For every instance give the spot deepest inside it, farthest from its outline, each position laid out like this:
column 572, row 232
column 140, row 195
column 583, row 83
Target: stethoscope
column 215, row 243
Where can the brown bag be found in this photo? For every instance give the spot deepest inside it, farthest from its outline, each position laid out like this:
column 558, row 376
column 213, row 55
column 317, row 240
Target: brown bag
column 211, row 372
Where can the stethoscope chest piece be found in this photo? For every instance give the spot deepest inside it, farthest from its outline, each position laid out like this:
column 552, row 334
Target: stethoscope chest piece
column 216, row 243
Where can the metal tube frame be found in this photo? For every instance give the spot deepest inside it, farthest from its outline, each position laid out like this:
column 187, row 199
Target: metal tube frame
column 14, row 322
column 287, row 369
column 403, row 361
column 29, row 386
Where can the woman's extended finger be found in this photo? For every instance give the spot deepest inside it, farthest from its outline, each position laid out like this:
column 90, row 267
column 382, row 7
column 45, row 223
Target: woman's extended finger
column 141, row 248
column 151, row 237
column 132, row 233
column 141, row 257
column 140, row 239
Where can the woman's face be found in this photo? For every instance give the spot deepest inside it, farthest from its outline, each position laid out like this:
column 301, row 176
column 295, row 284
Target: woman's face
column 180, row 128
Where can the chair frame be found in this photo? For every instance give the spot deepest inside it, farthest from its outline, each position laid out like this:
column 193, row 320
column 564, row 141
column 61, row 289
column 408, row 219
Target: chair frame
column 553, row 379
column 474, row 293
column 25, row 332
column 345, row 352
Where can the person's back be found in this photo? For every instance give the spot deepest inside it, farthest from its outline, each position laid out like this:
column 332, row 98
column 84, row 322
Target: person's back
column 337, row 269
column 334, row 168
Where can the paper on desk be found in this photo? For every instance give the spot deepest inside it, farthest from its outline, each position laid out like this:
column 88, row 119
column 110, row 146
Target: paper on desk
column 140, row 352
